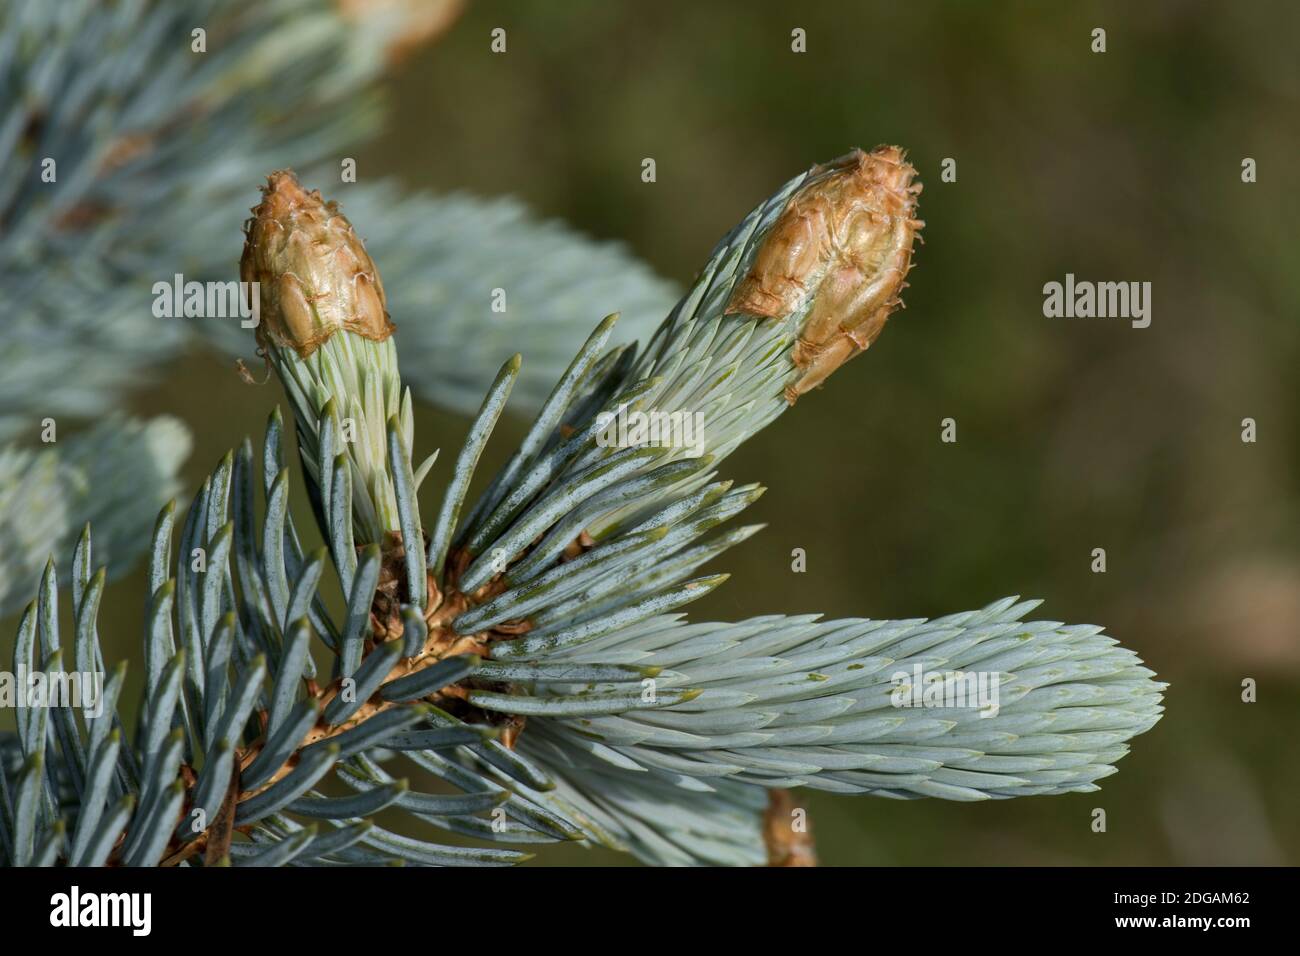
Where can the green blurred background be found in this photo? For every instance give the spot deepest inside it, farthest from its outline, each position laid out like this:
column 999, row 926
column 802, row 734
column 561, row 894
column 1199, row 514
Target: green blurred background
column 1072, row 434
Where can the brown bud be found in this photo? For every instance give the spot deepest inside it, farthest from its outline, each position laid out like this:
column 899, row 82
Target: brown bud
column 313, row 272
column 841, row 248
column 786, row 844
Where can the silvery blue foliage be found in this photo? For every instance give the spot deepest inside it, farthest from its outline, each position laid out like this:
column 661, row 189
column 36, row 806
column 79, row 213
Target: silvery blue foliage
column 112, row 476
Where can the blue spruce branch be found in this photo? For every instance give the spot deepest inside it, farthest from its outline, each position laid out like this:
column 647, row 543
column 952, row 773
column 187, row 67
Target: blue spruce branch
column 530, row 649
